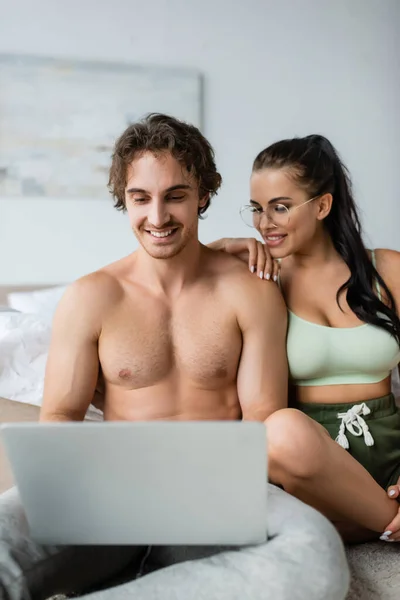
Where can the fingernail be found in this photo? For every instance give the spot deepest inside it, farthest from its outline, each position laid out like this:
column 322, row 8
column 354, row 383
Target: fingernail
column 252, row 269
column 275, row 278
column 383, row 538
column 392, row 493
column 267, row 276
column 261, row 274
column 387, row 533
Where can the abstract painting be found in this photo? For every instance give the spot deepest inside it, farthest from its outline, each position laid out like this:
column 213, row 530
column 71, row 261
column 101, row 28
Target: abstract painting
column 59, row 120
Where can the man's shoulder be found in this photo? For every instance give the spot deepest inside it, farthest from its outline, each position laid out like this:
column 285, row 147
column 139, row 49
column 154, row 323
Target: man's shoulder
column 101, row 282
column 98, row 282
column 258, row 292
column 108, row 279
column 94, row 291
column 238, row 284
column 224, row 266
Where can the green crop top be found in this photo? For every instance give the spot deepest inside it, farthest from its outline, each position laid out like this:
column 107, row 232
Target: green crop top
column 321, row 355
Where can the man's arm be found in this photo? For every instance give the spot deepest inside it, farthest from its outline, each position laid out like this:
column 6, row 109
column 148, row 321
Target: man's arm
column 262, row 381
column 73, row 365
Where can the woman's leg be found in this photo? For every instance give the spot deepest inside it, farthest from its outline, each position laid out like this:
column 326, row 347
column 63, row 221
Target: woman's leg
column 310, row 465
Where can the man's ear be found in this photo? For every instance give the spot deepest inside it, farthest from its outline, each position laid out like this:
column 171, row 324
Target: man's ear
column 203, row 201
column 324, row 206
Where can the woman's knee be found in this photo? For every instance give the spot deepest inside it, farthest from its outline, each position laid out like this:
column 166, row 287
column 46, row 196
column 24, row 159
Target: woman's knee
column 295, row 443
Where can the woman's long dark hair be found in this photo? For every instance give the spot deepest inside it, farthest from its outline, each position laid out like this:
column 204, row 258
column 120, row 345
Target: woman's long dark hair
column 316, row 166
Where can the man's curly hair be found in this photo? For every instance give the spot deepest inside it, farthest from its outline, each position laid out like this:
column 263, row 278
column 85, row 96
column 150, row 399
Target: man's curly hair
column 160, row 133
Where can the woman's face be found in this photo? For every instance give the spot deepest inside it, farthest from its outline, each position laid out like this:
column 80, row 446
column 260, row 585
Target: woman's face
column 289, row 226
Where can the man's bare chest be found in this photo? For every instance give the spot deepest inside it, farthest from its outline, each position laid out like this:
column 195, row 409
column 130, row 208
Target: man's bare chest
column 143, row 344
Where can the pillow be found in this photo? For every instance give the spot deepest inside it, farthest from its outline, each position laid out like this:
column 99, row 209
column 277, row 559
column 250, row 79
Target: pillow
column 7, row 309
column 24, row 343
column 39, row 302
column 24, row 346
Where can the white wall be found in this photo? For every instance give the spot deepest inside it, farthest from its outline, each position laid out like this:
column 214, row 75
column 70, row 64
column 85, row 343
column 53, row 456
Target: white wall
column 272, row 70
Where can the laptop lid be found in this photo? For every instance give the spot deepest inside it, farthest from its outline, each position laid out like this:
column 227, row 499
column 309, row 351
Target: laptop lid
column 141, row 483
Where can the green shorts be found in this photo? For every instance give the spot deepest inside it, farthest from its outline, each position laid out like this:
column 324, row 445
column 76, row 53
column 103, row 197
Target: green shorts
column 369, row 430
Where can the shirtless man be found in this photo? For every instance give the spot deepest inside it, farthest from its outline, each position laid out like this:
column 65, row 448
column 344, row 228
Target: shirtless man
column 178, row 330
column 174, row 330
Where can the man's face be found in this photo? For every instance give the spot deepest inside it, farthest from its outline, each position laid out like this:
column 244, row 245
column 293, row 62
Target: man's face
column 162, row 200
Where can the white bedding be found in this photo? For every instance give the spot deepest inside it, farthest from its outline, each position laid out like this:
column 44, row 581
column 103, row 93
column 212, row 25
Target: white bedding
column 38, row 302
column 24, row 344
column 25, row 332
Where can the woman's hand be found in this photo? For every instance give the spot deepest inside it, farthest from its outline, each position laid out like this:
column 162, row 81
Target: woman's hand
column 392, row 531
column 394, row 490
column 252, row 252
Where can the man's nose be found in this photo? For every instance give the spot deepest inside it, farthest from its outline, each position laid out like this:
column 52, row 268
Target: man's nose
column 159, row 214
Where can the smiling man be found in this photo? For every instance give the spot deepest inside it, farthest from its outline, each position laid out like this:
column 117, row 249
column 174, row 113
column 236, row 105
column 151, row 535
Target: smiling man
column 173, row 331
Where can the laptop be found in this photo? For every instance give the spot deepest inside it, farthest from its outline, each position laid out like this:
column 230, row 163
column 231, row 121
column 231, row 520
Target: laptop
column 141, row 483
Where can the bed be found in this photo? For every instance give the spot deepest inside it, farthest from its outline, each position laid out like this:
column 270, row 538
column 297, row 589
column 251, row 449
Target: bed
column 374, row 565
column 11, row 410
column 5, row 290
column 24, row 404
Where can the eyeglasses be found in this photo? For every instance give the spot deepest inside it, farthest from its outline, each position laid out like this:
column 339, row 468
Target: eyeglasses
column 278, row 214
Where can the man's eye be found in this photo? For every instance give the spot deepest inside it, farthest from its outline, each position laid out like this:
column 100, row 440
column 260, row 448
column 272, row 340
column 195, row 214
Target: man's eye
column 175, row 198
column 139, row 200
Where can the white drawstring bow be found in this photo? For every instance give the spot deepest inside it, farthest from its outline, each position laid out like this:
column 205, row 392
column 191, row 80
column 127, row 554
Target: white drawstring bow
column 353, row 421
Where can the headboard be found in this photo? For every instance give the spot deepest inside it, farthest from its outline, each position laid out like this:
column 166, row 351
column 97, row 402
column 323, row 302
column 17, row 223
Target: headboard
column 7, row 289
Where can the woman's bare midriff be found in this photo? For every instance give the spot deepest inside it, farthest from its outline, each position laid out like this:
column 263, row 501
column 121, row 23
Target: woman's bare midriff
column 342, row 394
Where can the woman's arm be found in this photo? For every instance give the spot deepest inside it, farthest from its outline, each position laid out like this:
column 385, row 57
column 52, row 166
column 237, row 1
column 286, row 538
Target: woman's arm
column 252, row 252
column 388, row 265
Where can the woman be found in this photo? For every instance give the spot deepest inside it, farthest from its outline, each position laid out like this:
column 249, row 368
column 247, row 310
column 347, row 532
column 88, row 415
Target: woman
column 340, row 448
